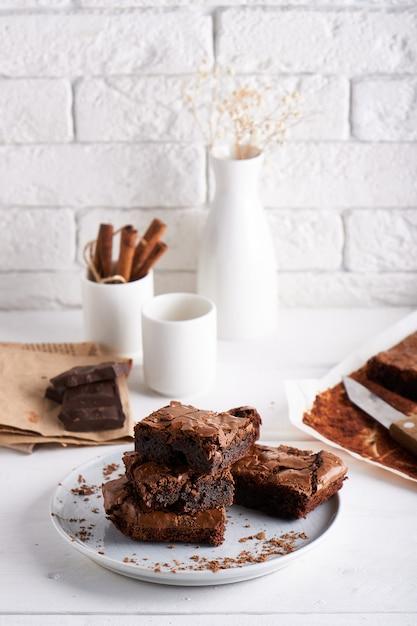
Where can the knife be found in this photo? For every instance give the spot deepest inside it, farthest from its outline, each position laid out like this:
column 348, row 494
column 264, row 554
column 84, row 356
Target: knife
column 402, row 428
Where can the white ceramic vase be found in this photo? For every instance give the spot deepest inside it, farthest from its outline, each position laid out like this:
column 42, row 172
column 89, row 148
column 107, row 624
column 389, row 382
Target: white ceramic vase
column 237, row 265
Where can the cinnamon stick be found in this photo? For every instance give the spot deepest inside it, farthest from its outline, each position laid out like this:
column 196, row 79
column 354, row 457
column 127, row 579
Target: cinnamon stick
column 139, row 253
column 155, row 231
column 96, row 260
column 128, row 239
column 106, row 249
column 157, row 251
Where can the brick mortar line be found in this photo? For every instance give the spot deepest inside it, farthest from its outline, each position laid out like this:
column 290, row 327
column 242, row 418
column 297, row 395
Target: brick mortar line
column 81, row 211
column 74, row 269
column 105, row 11
column 350, row 113
column 181, row 75
column 73, row 111
column 316, row 142
column 78, row 9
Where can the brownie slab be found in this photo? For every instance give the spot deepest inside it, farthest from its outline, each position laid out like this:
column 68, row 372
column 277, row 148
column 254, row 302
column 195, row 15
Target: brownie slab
column 204, row 527
column 396, row 368
column 176, row 488
column 285, row 481
column 203, row 440
column 335, row 417
column 92, row 407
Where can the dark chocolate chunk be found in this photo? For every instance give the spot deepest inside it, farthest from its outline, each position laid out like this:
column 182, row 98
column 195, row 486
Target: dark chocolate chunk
column 85, row 374
column 285, row 481
column 92, row 407
column 55, row 393
column 122, row 509
column 204, row 440
column 176, row 488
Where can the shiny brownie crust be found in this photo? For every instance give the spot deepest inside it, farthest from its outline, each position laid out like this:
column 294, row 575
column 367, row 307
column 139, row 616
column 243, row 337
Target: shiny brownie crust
column 205, row 441
column 285, row 481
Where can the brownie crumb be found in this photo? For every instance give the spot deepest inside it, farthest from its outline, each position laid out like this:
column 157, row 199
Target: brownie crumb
column 128, row 559
column 84, row 489
column 258, row 536
column 110, row 468
column 263, row 550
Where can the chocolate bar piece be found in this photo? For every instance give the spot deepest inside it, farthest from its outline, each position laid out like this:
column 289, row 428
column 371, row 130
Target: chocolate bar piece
column 92, row 407
column 285, row 481
column 85, row 374
column 396, row 368
column 203, row 440
column 122, row 509
column 179, row 489
column 55, row 393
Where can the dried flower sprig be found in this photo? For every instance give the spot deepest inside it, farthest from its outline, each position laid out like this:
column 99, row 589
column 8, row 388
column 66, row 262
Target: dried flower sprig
column 235, row 110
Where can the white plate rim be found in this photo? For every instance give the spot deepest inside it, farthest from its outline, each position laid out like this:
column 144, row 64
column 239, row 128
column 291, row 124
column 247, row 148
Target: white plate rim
column 194, row 577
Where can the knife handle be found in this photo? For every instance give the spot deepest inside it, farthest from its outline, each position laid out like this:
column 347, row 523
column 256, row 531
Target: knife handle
column 405, row 432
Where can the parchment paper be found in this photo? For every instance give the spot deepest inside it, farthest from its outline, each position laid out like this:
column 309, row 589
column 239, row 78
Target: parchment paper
column 301, row 393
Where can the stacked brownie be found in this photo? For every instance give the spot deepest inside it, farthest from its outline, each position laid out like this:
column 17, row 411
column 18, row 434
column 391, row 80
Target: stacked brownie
column 178, row 480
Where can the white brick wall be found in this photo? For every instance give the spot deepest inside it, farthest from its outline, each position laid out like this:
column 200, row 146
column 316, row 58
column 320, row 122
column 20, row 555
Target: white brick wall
column 353, row 42
column 385, row 109
column 92, row 127
column 24, row 230
column 26, row 104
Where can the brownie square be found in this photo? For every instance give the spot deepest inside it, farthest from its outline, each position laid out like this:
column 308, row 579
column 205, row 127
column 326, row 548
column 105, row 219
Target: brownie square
column 203, row 440
column 92, row 407
column 122, row 509
column 285, row 481
column 177, row 488
column 396, row 368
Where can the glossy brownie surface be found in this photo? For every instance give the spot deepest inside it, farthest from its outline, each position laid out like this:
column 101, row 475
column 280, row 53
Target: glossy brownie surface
column 287, row 481
column 204, row 440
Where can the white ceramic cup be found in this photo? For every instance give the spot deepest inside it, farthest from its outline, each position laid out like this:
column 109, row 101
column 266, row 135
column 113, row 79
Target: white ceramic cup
column 179, row 344
column 112, row 314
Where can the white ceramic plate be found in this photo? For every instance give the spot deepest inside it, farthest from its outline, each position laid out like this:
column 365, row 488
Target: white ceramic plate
column 81, row 520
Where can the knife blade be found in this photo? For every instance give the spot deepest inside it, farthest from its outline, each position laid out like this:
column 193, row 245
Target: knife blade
column 402, row 427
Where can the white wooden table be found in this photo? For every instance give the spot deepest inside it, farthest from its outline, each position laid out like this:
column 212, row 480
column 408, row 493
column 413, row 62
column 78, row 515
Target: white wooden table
column 364, row 573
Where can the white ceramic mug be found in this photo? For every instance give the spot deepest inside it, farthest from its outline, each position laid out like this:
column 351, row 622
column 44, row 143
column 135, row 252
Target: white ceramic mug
column 179, row 343
column 112, row 314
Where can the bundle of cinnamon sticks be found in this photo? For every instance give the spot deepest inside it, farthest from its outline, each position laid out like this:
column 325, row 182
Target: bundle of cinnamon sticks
column 137, row 255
